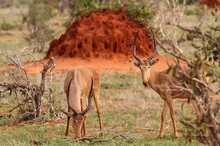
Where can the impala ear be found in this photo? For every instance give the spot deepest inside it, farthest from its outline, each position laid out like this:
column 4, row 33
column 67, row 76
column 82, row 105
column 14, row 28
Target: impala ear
column 154, row 62
column 69, row 114
column 134, row 63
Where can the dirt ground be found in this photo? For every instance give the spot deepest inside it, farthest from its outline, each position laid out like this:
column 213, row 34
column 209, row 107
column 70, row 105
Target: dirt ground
column 116, row 63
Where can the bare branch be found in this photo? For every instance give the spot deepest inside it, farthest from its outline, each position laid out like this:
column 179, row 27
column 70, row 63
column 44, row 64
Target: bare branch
column 178, row 56
column 26, row 93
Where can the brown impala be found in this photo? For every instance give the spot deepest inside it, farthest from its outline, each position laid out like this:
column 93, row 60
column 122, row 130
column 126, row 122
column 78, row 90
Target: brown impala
column 78, row 83
column 164, row 84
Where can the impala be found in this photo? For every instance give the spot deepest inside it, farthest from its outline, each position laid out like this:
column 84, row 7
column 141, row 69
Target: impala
column 162, row 83
column 78, row 83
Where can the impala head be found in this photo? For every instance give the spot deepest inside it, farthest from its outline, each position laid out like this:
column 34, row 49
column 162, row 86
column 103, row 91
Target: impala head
column 144, row 65
column 78, row 118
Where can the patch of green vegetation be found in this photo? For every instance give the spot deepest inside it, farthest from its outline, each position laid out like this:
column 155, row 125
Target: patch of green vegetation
column 118, row 81
column 4, row 120
column 39, row 14
column 117, row 85
column 139, row 12
column 188, row 2
column 7, row 26
column 2, row 62
column 190, row 12
column 49, row 135
column 12, row 46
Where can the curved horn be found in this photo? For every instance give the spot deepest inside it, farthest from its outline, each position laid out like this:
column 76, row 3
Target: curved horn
column 89, row 101
column 68, row 103
column 134, row 48
column 155, row 49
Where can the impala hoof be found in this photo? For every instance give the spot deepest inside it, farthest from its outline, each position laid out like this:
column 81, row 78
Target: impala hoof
column 102, row 134
column 145, row 84
column 175, row 137
column 160, row 137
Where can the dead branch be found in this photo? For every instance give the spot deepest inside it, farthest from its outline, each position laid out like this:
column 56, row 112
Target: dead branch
column 179, row 56
column 50, row 98
column 95, row 137
column 15, row 61
column 29, row 93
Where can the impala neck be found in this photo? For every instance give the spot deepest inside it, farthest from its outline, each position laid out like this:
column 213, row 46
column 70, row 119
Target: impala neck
column 153, row 77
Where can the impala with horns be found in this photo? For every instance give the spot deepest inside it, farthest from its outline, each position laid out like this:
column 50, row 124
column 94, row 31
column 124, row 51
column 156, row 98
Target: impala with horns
column 78, row 83
column 162, row 83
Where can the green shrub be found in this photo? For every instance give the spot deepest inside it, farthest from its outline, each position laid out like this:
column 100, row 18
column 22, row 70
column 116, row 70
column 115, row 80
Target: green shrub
column 39, row 33
column 188, row 2
column 190, row 12
column 7, row 26
column 136, row 11
column 86, row 7
column 139, row 13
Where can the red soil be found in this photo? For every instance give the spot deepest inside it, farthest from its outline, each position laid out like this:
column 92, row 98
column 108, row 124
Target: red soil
column 101, row 35
column 121, row 63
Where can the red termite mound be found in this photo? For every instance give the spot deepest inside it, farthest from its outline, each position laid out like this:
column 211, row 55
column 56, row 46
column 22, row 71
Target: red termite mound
column 211, row 3
column 101, row 34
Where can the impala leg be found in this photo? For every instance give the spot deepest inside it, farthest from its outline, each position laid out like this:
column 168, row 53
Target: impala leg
column 197, row 110
column 84, row 126
column 163, row 119
column 172, row 115
column 67, row 125
column 83, row 107
column 83, row 130
column 97, row 103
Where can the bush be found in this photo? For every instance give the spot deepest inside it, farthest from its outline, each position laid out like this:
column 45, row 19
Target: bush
column 39, row 33
column 137, row 12
column 7, row 26
column 188, row 2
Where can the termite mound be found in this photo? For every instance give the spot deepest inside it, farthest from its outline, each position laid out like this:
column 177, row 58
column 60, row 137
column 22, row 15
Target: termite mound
column 214, row 4
column 102, row 34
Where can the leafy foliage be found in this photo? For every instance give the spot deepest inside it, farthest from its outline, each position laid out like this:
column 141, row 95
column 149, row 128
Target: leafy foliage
column 207, row 51
column 138, row 12
column 7, row 26
column 84, row 8
column 188, row 2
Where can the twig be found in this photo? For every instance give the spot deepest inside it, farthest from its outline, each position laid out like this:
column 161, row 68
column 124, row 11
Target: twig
column 92, row 138
column 50, row 100
column 200, row 33
column 174, row 54
column 19, row 105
